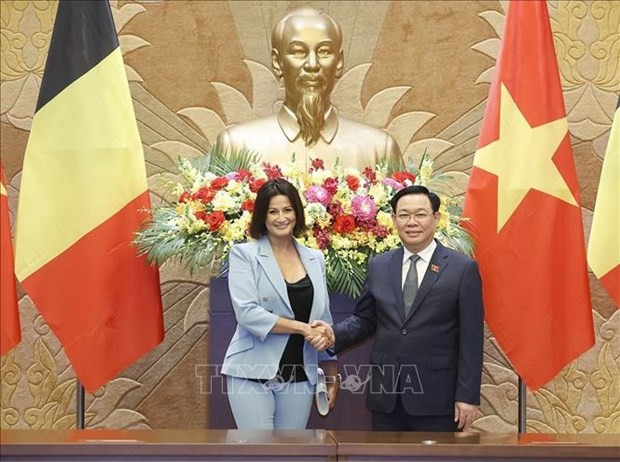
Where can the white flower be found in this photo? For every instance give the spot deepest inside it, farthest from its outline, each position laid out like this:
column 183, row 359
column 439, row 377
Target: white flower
column 224, row 202
column 352, row 172
column 378, row 192
column 316, row 212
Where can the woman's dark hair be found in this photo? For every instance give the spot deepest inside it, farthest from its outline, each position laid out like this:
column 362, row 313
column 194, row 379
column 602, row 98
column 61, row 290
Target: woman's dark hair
column 276, row 187
column 416, row 189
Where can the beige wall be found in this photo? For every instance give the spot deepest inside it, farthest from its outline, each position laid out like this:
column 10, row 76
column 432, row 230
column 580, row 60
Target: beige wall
column 197, row 66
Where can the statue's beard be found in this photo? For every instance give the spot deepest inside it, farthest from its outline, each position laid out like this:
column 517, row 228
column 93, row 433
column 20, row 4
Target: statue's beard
column 310, row 111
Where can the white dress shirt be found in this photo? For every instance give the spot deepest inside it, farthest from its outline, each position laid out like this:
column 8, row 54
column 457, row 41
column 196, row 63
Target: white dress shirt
column 422, row 265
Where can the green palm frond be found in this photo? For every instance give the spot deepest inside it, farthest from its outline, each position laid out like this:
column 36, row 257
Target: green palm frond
column 221, row 164
column 344, row 277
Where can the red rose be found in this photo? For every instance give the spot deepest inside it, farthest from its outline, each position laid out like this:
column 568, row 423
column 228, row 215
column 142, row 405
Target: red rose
column 244, row 174
column 272, row 171
column 201, row 216
column 370, row 175
column 344, row 224
column 219, row 183
column 353, row 182
column 331, row 184
column 255, row 185
column 214, row 220
column 248, row 205
column 317, row 164
column 204, row 195
column 402, row 176
column 186, row 196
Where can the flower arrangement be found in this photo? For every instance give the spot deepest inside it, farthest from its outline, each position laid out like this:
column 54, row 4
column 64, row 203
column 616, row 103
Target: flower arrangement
column 347, row 212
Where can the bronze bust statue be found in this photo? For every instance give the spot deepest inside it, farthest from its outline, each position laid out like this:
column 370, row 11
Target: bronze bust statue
column 307, row 55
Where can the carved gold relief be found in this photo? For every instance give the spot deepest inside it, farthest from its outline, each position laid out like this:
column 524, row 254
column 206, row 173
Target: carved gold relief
column 25, row 37
column 26, row 32
column 37, row 387
column 587, row 41
column 606, row 379
column 51, row 396
column 9, row 377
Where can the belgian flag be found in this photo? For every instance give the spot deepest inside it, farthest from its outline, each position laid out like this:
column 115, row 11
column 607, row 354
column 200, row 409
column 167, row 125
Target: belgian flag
column 83, row 196
column 604, row 244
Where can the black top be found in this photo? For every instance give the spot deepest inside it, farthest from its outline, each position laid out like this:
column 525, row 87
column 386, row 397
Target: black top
column 300, row 294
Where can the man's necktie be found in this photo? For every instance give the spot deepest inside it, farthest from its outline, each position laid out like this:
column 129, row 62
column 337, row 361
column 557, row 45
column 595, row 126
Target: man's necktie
column 410, row 289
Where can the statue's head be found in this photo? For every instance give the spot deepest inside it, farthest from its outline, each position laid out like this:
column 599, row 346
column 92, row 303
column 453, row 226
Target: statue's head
column 307, row 54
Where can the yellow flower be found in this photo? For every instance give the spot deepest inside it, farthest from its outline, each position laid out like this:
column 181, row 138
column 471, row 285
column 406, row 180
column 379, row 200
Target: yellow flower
column 426, row 172
column 385, row 219
column 234, row 187
column 445, row 219
column 180, row 208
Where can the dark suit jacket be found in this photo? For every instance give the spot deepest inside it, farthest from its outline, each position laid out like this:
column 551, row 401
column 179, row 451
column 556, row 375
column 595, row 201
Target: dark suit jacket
column 435, row 353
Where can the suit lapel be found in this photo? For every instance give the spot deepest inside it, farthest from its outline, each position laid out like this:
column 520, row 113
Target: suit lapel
column 313, row 268
column 268, row 262
column 396, row 280
column 438, row 263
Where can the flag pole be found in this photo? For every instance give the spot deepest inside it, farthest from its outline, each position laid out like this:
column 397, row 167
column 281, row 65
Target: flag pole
column 79, row 398
column 522, row 406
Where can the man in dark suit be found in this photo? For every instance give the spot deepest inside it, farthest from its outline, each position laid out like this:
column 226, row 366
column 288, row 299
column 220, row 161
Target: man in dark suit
column 426, row 363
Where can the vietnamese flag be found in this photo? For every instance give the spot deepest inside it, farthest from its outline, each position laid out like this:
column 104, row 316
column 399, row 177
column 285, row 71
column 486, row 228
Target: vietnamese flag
column 604, row 244
column 10, row 332
column 524, row 207
column 83, row 192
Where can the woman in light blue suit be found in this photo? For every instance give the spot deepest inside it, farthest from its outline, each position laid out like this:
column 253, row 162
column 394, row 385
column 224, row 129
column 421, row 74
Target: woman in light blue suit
column 278, row 288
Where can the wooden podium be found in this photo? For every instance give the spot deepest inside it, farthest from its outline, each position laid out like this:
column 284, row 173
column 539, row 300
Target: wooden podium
column 300, row 445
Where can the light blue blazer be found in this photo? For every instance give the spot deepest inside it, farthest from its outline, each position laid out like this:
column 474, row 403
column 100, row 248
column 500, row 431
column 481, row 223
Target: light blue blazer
column 259, row 296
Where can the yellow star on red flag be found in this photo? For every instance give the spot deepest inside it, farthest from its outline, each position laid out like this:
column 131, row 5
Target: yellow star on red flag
column 522, row 207
column 522, row 159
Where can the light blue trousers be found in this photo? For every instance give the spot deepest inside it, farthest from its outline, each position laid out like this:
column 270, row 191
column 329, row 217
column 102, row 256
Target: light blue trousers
column 257, row 406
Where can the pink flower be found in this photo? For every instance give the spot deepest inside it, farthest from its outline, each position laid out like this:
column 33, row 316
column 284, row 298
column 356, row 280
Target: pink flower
column 364, row 208
column 319, row 194
column 392, row 183
column 233, row 176
column 239, row 175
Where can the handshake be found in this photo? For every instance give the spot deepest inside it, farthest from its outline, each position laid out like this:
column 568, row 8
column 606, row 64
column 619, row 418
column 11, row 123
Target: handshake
column 320, row 335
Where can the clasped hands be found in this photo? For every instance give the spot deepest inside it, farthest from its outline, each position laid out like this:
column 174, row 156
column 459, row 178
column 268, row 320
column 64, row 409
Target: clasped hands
column 320, row 335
